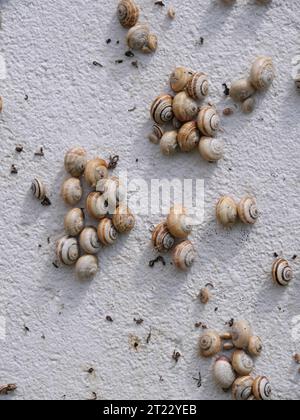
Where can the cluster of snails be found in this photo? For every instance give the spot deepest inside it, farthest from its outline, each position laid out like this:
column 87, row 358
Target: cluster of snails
column 282, row 272
column 228, row 211
column 235, row 372
column 104, row 204
column 192, row 126
column 139, row 36
column 261, row 77
column 173, row 235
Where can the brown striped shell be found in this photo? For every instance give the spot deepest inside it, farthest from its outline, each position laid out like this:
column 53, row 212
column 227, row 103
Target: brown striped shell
column 247, row 210
column 282, row 272
column 242, row 388
column 184, row 255
column 107, row 233
column 95, row 170
column 208, row 121
column 67, row 250
column 198, row 87
column 75, row 161
column 123, row 219
column 128, row 13
column 180, row 78
column 261, row 388
column 38, row 189
column 188, row 136
column 185, row 108
column 162, row 239
column 156, row 134
column 161, row 109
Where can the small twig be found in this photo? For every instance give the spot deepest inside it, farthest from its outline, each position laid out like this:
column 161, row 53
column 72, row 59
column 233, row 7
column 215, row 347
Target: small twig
column 13, row 170
column 46, row 202
column 19, row 148
column 5, row 389
column 40, row 152
column 138, row 321
column 199, row 380
column 149, row 336
column 113, row 161
column 226, row 89
column 132, row 109
column 97, row 64
column 158, row 259
column 159, row 3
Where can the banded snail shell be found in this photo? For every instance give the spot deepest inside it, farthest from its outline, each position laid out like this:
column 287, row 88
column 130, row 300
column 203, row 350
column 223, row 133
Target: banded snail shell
column 208, row 121
column 242, row 363
column 38, row 189
column 128, row 13
column 75, row 161
column 198, row 87
column 262, row 73
column 156, row 135
column 162, row 239
column 86, row 266
column 247, row 210
column 180, row 78
column 282, row 272
column 255, row 346
column 95, row 170
column 211, row 148
column 262, row 388
column 123, row 219
column 169, row 143
column 107, row 233
column 188, row 136
column 71, row 191
column 96, row 205
column 184, row 255
column 241, row 90
column 89, row 241
column 74, row 222
column 241, row 333
column 185, row 108
column 67, row 250
column 242, row 388
column 226, row 211
column 210, row 344
column 223, row 372
column 178, row 222
column 161, row 109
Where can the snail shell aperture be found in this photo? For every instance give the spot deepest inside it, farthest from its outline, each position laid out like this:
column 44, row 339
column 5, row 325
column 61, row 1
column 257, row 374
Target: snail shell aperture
column 241, row 90
column 75, row 161
column 282, row 272
column 224, row 373
column 242, row 388
column 123, row 219
column 242, row 363
column 185, row 108
column 255, row 346
column 162, row 239
column 67, row 250
column 262, row 73
column 178, row 222
column 169, row 143
column 71, row 191
column 210, row 344
column 208, row 121
column 261, row 388
column 226, row 211
column 95, row 170
column 211, row 148
column 86, row 266
column 74, row 222
column 188, row 136
column 161, row 109
column 107, row 233
column 128, row 13
column 179, row 78
column 38, row 189
column 247, row 210
column 241, row 333
column 197, row 86
column 89, row 241
column 184, row 255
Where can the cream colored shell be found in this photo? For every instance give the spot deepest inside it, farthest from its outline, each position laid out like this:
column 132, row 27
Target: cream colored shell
column 86, row 266
column 71, row 191
column 261, row 388
column 210, row 344
column 198, row 86
column 161, row 109
column 140, row 38
column 184, row 255
column 223, row 373
column 211, row 148
column 241, row 333
column 248, row 105
column 95, row 170
column 188, row 136
column 128, row 13
column 38, row 189
column 162, row 239
column 123, row 219
column 113, row 192
column 169, row 143
column 178, row 222
column 89, row 241
column 67, row 250
column 204, row 295
column 255, row 346
column 226, row 211
column 262, row 73
column 208, row 121
column 96, row 205
column 282, row 272
column 74, row 222
column 185, row 108
column 75, row 161
column 247, row 210
column 180, row 78
column 107, row 233
column 242, row 388
column 241, row 90
column 242, row 363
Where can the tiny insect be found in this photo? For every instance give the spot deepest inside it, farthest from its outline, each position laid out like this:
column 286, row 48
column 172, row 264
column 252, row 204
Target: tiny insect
column 176, row 356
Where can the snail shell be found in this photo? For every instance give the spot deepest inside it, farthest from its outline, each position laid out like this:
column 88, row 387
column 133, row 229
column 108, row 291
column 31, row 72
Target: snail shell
column 156, row 135
column 197, row 86
column 211, row 149
column 96, row 205
column 38, row 189
column 242, row 363
column 161, row 109
column 112, row 190
column 128, row 13
column 88, row 240
column 261, row 388
column 140, row 38
column 241, row 90
column 162, row 239
column 262, row 73
column 178, row 222
column 282, row 272
column 95, row 170
column 208, row 121
column 86, row 266
column 180, row 78
column 107, row 233
column 255, row 346
column 74, row 222
column 67, row 250
column 185, row 108
column 224, row 373
column 169, row 143
column 184, row 255
column 242, row 388
column 75, row 161
column 151, row 45
column 210, row 344
column 204, row 295
column 241, row 333
column 71, row 191
column 226, row 211
column 248, row 105
column 123, row 219
column 247, row 210
column 188, row 136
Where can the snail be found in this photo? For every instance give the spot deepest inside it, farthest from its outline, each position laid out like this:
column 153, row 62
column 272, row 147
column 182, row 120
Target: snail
column 156, row 134
column 140, row 38
column 223, row 372
column 128, row 13
column 178, row 222
column 95, row 170
column 204, row 295
column 88, row 240
column 112, row 190
column 210, row 344
column 86, row 266
column 211, row 149
column 67, row 250
column 185, row 108
column 71, row 191
column 242, row 388
column 241, row 333
column 188, row 136
column 242, row 363
column 208, row 121
column 180, row 78
column 197, row 86
column 262, row 73
column 247, row 210
column 75, row 161
column 228, row 346
column 107, row 233
column 226, row 211
column 241, row 90
column 161, row 109
column 261, row 388
column 96, row 205
column 184, row 255
column 255, row 346
column 162, row 239
column 169, row 143
column 248, row 105
column 74, row 222
column 171, row 12
column 282, row 272
column 123, row 219
column 38, row 189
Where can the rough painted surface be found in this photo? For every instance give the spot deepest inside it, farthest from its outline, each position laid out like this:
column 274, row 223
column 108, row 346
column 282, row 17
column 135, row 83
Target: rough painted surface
column 49, row 48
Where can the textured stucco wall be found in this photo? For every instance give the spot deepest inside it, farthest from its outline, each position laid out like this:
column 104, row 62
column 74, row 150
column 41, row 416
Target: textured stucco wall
column 49, row 47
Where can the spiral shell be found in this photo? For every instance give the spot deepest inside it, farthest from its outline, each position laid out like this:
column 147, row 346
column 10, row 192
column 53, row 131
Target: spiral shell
column 107, row 233
column 74, row 222
column 156, row 134
column 75, row 161
column 178, row 222
column 185, row 108
column 204, row 295
column 226, row 211
column 242, row 388
column 210, row 344
column 113, row 192
column 223, row 372
column 188, row 136
column 261, row 388
column 86, row 266
column 282, row 272
column 208, row 121
column 67, row 250
column 123, row 219
column 169, row 143
column 38, row 189
column 241, row 90
column 96, row 205
column 242, row 363
column 255, row 346
column 180, row 78
column 128, row 13
column 161, row 109
column 162, row 239
column 71, row 191
column 184, row 255
column 198, row 87
column 88, row 240
column 248, row 105
column 247, row 210
column 140, row 38
column 241, row 333
column 262, row 73
column 211, row 149
column 95, row 170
